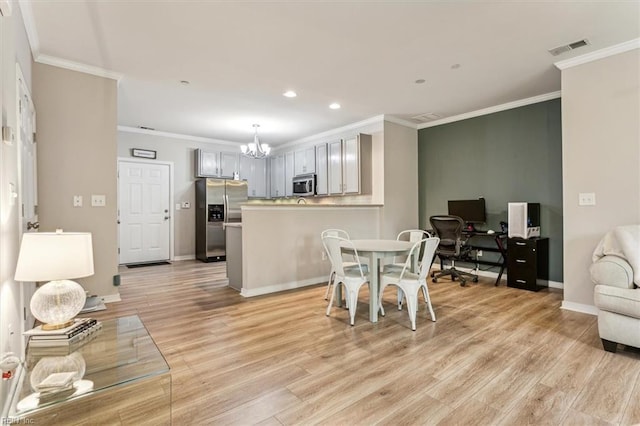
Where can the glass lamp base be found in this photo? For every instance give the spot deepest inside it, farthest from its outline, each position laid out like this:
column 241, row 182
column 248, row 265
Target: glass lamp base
column 66, row 324
column 56, row 303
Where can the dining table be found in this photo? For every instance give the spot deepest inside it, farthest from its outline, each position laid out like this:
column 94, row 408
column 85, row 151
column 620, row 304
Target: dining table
column 375, row 250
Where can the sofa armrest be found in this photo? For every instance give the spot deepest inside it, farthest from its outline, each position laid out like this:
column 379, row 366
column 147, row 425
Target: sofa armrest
column 612, row 271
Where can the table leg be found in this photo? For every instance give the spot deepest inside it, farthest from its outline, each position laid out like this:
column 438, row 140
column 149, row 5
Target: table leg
column 374, row 287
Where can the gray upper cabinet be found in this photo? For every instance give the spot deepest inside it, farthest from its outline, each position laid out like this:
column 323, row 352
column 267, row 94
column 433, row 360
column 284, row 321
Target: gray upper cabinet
column 277, row 164
column 321, row 169
column 216, row 163
column 254, row 171
column 349, row 165
column 305, row 161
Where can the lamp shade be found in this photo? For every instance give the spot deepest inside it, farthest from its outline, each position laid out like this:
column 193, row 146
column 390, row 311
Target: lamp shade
column 47, row 256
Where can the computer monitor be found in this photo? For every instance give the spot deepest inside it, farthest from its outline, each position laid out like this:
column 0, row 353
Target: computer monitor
column 471, row 211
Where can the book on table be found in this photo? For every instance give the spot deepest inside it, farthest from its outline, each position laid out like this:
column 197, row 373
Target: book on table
column 77, row 327
column 78, row 338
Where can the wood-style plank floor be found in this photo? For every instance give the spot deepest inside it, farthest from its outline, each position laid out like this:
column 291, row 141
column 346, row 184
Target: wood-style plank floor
column 496, row 355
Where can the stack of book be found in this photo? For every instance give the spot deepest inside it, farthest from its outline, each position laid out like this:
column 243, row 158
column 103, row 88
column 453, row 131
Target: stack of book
column 82, row 330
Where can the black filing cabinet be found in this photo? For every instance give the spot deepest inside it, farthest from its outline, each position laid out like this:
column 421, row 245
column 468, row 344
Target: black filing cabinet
column 528, row 263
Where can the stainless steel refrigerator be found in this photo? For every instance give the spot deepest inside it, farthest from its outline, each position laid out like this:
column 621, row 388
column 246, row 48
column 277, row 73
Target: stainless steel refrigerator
column 217, row 202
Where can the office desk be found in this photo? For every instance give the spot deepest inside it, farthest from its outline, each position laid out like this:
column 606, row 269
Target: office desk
column 475, row 238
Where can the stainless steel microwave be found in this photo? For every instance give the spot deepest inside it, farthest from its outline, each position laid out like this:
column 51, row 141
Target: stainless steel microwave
column 304, row 185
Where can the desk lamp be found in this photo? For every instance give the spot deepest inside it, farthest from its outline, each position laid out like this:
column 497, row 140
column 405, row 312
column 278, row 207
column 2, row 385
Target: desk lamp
column 55, row 256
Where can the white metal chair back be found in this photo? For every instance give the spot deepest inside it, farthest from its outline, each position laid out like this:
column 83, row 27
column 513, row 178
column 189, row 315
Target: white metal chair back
column 424, row 261
column 333, row 246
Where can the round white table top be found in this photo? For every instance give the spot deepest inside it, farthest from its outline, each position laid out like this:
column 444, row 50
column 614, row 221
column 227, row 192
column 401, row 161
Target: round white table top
column 381, row 245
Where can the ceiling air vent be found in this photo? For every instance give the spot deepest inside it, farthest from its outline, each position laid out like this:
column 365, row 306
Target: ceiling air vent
column 568, row 47
column 427, row 116
column 146, row 128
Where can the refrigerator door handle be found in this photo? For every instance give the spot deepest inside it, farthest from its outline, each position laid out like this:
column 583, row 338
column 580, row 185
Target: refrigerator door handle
column 226, row 208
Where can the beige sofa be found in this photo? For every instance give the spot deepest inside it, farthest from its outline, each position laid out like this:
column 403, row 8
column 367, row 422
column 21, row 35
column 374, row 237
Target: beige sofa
column 618, row 301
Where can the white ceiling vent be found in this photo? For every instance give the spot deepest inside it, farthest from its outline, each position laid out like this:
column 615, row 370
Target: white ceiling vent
column 568, row 47
column 427, row 116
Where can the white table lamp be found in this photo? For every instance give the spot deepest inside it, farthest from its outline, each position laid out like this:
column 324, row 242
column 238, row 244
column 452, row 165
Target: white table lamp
column 56, row 257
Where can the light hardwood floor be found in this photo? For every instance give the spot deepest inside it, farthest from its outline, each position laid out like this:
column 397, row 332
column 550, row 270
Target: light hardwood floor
column 496, row 355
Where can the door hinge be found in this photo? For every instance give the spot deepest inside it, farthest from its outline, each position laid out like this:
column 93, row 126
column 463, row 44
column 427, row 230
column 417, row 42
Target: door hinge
column 118, row 250
column 35, row 209
column 22, row 210
column 24, row 314
column 34, row 137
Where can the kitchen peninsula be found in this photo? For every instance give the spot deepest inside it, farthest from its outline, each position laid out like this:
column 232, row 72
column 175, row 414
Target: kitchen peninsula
column 281, row 246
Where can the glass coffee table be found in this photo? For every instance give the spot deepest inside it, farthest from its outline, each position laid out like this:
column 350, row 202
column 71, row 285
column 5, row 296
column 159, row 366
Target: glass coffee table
column 118, row 377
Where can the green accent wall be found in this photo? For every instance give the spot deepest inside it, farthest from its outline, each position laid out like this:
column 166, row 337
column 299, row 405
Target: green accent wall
column 513, row 155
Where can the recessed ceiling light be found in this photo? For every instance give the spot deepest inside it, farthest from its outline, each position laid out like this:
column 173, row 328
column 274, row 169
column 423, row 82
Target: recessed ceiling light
column 420, row 81
column 290, row 94
column 455, row 66
column 185, row 82
column 334, row 105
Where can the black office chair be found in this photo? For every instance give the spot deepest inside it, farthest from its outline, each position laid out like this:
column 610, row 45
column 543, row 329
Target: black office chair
column 452, row 247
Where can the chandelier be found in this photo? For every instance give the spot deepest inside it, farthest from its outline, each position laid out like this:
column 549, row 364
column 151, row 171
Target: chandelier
column 255, row 149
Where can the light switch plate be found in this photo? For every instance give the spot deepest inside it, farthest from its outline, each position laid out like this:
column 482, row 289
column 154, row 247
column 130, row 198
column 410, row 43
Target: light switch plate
column 587, row 199
column 98, row 200
column 186, row 205
column 177, row 206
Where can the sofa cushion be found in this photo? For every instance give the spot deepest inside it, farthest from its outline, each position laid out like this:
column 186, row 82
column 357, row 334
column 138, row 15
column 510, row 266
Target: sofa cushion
column 612, row 271
column 622, row 301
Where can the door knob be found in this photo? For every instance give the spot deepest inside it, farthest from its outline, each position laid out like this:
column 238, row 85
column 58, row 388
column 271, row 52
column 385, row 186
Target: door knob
column 33, row 225
column 167, row 217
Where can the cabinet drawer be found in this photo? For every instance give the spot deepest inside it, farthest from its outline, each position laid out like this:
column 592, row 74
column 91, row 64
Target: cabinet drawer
column 523, row 249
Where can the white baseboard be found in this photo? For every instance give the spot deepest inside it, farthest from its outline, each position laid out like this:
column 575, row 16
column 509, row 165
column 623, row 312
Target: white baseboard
column 579, row 307
column 494, row 275
column 111, row 298
column 185, row 257
column 281, row 287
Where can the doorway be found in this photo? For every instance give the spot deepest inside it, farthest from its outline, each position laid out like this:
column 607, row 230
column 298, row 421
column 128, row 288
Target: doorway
column 145, row 225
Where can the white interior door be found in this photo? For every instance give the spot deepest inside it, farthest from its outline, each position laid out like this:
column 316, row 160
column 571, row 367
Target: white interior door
column 26, row 123
column 144, row 211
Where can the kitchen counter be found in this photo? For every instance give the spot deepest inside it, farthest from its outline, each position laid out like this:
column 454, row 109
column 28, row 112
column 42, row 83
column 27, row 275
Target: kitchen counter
column 281, row 205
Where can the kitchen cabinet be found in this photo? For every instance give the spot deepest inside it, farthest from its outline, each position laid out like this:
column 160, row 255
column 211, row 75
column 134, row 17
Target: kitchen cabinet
column 289, row 172
column 305, row 161
column 216, row 163
column 349, row 165
column 321, row 169
column 229, row 164
column 277, row 164
column 254, row 171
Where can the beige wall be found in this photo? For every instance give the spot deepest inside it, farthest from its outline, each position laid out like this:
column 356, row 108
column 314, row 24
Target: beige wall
column 181, row 153
column 601, row 154
column 281, row 246
column 400, row 167
column 14, row 48
column 77, row 156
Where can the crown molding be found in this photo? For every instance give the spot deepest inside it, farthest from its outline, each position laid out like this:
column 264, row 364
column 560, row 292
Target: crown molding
column 491, row 110
column 77, row 66
column 599, row 54
column 150, row 132
column 372, row 124
column 400, row 121
column 30, row 27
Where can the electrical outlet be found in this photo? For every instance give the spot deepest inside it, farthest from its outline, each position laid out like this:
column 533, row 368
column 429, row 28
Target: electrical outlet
column 186, row 205
column 77, row 201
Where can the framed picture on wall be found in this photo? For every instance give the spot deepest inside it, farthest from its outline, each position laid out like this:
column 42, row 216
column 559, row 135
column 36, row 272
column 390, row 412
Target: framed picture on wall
column 143, row 153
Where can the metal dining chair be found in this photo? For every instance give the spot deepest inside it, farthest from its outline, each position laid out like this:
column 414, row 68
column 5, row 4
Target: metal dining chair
column 352, row 278
column 409, row 282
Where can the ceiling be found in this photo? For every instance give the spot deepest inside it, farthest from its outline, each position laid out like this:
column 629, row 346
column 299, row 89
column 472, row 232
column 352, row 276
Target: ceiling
column 239, row 57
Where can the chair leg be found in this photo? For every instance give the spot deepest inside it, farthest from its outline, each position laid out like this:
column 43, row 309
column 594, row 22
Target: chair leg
column 400, row 298
column 353, row 304
column 412, row 307
column 333, row 293
column 609, row 346
column 427, row 299
column 332, row 276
